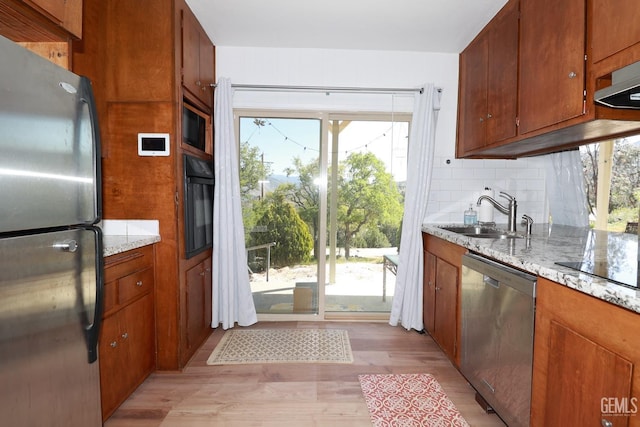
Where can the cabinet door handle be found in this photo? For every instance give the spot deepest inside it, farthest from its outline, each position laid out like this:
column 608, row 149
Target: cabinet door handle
column 606, row 423
column 125, row 335
column 202, row 273
column 139, row 283
column 572, row 75
column 481, row 119
column 198, row 83
column 438, row 288
column 113, row 344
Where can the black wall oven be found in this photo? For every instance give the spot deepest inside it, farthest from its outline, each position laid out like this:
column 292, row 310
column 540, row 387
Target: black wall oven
column 198, row 205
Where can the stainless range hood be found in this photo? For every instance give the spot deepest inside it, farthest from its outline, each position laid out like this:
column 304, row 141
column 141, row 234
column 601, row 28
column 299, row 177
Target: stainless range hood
column 624, row 91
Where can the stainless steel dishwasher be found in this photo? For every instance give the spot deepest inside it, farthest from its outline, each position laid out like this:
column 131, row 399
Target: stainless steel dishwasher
column 498, row 305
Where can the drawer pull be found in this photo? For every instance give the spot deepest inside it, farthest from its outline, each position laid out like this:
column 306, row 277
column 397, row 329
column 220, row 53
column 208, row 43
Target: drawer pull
column 114, row 344
column 139, row 283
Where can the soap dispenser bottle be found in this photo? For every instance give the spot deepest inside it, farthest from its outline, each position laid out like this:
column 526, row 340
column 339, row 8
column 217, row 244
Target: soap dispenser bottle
column 470, row 216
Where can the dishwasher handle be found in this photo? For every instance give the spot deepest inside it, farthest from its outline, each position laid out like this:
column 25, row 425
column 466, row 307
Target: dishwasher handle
column 495, row 273
column 490, row 281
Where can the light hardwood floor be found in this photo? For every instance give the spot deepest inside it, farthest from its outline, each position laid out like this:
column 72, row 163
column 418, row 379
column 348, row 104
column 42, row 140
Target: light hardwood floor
column 293, row 394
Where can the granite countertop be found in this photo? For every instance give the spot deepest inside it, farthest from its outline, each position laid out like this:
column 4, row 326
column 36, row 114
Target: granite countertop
column 115, row 244
column 550, row 244
column 120, row 235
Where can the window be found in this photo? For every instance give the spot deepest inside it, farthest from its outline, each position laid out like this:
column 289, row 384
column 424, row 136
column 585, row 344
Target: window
column 612, row 182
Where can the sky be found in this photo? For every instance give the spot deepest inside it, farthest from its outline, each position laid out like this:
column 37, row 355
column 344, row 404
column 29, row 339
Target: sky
column 280, row 140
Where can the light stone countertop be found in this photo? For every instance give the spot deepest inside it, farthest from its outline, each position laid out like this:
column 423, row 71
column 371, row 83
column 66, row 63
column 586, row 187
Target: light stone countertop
column 116, row 244
column 548, row 245
column 120, row 235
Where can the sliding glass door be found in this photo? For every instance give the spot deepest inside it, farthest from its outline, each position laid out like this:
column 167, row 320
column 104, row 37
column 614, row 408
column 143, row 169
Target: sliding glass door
column 279, row 167
column 367, row 173
column 322, row 201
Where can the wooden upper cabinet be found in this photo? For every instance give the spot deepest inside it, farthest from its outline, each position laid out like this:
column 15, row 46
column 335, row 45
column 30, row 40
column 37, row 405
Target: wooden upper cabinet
column 41, row 20
column 552, row 62
column 615, row 33
column 502, row 97
column 198, row 56
column 489, row 84
column 66, row 13
column 472, row 96
column 566, row 51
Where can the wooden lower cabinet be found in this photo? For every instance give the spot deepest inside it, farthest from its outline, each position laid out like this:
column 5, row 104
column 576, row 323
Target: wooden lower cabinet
column 198, row 303
column 585, row 353
column 441, row 293
column 127, row 350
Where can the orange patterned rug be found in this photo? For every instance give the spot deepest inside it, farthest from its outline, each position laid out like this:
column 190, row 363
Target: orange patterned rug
column 245, row 346
column 408, row 400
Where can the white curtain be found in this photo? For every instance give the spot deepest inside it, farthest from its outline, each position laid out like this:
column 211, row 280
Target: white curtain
column 565, row 189
column 231, row 293
column 407, row 300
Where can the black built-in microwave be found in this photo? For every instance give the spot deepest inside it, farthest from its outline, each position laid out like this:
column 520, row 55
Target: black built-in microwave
column 194, row 127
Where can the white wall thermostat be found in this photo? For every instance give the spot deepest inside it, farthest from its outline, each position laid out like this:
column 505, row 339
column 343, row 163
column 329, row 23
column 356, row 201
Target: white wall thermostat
column 153, row 144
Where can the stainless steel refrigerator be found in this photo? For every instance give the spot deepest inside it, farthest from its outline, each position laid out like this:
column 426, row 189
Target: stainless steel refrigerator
column 50, row 247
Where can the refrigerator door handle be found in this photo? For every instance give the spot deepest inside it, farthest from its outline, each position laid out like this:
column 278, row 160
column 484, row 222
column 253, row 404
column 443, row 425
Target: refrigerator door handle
column 86, row 96
column 92, row 331
column 67, row 246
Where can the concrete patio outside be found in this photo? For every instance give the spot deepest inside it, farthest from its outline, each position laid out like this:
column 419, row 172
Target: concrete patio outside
column 358, row 287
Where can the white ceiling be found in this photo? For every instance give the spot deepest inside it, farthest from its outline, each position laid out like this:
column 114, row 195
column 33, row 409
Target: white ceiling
column 404, row 25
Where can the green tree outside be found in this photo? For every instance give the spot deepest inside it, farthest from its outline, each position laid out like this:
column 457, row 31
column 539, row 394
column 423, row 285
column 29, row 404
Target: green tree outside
column 369, row 206
column 252, row 171
column 624, row 198
column 367, row 196
column 282, row 225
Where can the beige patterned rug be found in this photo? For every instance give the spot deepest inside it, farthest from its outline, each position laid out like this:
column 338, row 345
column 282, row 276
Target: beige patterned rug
column 245, row 346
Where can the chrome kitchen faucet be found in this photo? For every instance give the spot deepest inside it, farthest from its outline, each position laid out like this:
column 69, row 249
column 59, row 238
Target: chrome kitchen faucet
column 509, row 210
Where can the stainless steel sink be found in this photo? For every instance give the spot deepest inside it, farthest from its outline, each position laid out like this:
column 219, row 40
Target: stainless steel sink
column 482, row 232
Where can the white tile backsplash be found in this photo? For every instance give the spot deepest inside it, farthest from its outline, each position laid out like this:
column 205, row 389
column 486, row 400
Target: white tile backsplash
column 460, row 182
column 130, row 227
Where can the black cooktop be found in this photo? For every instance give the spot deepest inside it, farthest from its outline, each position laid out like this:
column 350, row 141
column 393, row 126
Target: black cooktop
column 623, row 271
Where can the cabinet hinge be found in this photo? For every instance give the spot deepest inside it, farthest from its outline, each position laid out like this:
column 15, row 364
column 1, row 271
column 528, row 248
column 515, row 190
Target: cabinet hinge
column 517, row 121
column 584, row 102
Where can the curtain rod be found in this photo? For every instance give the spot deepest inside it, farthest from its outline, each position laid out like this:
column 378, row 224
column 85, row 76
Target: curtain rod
column 327, row 89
